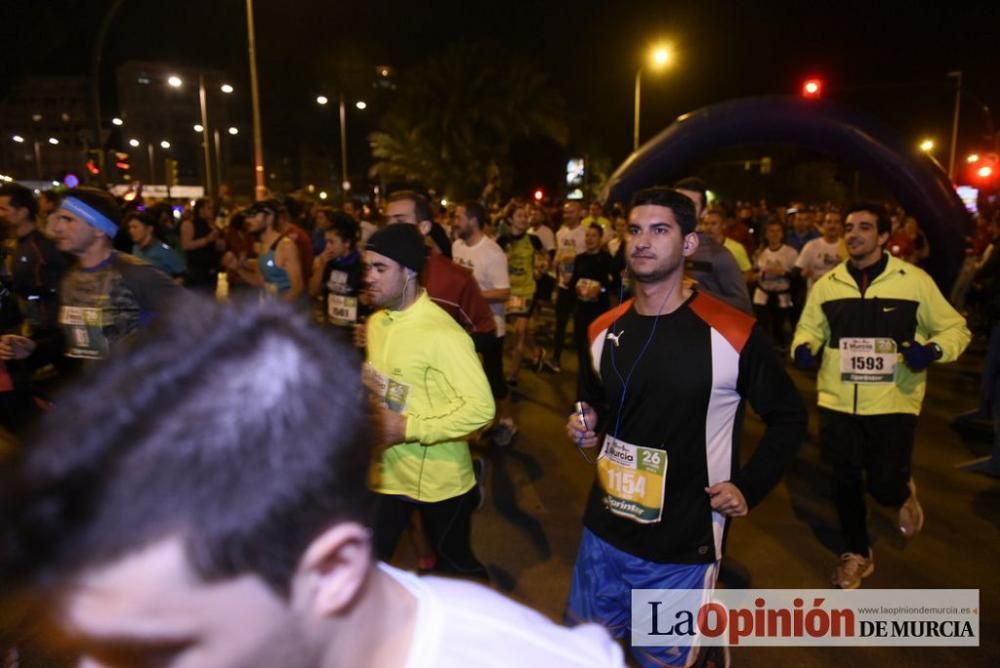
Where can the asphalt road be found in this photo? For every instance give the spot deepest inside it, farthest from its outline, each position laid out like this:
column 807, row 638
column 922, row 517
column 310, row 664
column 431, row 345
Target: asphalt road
column 529, row 529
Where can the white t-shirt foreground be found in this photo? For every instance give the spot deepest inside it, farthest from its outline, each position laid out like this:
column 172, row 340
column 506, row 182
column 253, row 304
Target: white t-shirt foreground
column 461, row 624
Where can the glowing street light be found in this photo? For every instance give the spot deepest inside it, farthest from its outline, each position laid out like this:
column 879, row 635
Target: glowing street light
column 164, row 144
column 198, row 127
column 53, row 141
column 322, row 99
column 660, row 57
column 973, row 157
column 985, row 172
column 927, row 145
column 117, row 121
column 175, row 81
column 233, row 130
column 134, row 143
column 361, row 105
column 226, row 88
column 323, row 195
column 18, row 138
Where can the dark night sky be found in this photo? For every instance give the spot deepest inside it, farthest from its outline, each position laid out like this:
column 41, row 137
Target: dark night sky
column 887, row 58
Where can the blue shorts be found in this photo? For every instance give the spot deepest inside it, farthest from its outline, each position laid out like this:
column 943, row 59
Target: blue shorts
column 603, row 580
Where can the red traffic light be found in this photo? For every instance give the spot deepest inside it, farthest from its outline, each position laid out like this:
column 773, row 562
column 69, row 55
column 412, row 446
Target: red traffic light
column 812, row 88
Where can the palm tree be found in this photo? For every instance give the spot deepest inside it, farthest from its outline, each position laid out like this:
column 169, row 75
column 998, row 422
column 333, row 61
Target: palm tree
column 454, row 118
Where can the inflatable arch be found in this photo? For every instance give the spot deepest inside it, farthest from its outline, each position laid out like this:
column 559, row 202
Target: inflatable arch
column 915, row 181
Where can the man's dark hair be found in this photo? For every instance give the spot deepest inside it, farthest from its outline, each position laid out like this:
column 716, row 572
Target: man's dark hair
column 695, row 185
column 679, row 204
column 474, row 209
column 53, row 196
column 597, row 226
column 346, row 228
column 421, row 207
column 20, row 197
column 874, row 208
column 100, row 200
column 219, row 446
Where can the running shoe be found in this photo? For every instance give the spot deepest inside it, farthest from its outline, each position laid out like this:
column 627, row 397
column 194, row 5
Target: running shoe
column 911, row 514
column 504, row 432
column 852, row 569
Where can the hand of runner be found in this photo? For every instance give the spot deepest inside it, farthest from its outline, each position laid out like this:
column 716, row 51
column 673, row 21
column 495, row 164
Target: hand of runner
column 583, row 435
column 360, row 335
column 13, row 347
column 392, row 425
column 726, row 498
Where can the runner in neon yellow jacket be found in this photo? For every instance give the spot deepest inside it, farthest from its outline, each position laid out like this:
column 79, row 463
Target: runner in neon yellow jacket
column 902, row 303
column 431, row 374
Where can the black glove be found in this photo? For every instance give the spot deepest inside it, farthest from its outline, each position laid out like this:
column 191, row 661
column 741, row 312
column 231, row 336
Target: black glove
column 919, row 357
column 804, row 359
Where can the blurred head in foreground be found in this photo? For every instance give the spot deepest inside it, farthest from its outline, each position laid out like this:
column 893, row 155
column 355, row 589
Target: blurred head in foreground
column 200, row 499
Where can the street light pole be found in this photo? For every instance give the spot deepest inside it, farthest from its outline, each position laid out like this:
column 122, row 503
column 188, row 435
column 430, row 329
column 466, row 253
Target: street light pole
column 343, row 146
column 260, row 190
column 635, row 124
column 954, row 124
column 218, row 158
column 152, row 163
column 38, row 158
column 205, row 136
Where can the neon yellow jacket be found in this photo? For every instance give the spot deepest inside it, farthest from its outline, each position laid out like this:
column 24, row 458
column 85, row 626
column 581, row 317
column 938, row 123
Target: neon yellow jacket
column 902, row 303
column 430, row 372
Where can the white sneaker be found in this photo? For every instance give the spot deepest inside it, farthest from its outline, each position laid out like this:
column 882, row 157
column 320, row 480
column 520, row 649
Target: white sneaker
column 852, row 569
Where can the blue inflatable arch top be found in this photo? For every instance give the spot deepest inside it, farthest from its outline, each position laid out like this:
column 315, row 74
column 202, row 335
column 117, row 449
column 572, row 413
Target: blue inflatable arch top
column 914, row 180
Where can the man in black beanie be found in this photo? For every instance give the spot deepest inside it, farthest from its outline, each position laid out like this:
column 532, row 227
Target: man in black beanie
column 431, row 394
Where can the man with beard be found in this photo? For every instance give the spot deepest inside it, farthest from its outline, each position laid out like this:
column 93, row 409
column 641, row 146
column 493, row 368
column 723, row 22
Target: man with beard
column 180, row 511
column 106, row 296
column 278, row 269
column 431, row 394
column 673, row 367
column 880, row 323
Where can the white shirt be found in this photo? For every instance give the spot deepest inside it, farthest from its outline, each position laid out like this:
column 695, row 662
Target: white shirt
column 776, row 262
column 569, row 244
column 488, row 263
column 545, row 235
column 461, row 624
column 820, row 256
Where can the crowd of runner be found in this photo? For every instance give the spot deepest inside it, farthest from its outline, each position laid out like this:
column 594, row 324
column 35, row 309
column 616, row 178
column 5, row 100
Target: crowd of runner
column 674, row 301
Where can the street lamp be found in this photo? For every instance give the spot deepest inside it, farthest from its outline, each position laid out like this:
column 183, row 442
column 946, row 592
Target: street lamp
column 660, row 57
column 927, row 145
column 973, row 157
column 226, row 88
column 322, row 100
column 134, row 143
column 18, row 138
column 233, row 130
column 198, row 127
column 164, row 144
column 117, row 121
column 175, row 81
column 361, row 105
column 53, row 141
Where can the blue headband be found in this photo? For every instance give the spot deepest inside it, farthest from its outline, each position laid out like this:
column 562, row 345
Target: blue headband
column 90, row 215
